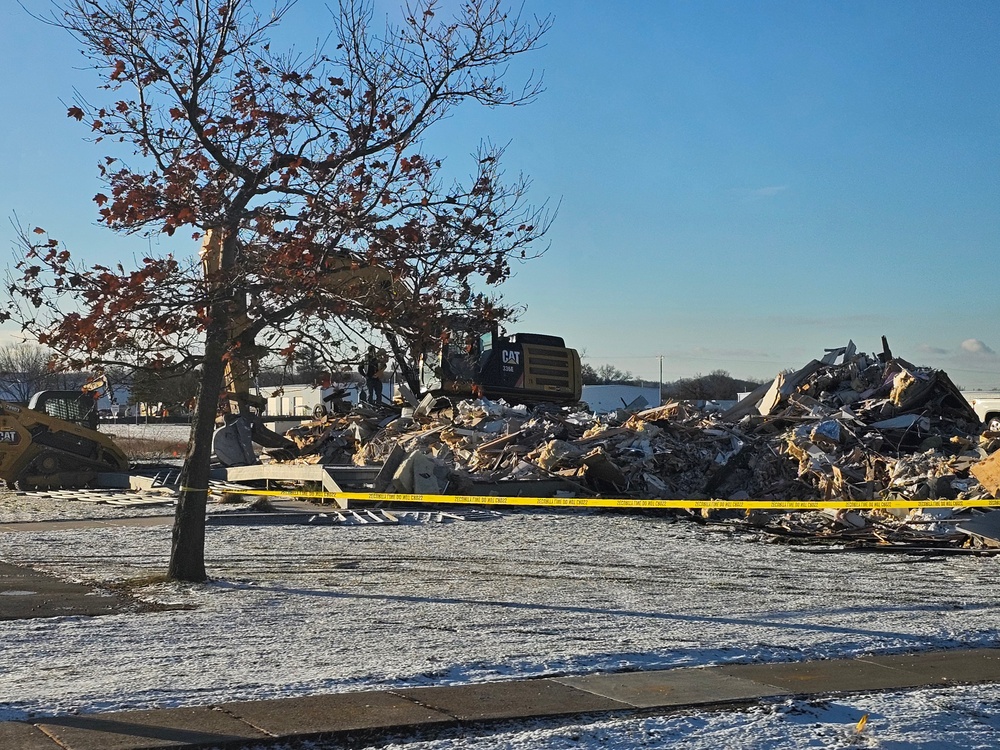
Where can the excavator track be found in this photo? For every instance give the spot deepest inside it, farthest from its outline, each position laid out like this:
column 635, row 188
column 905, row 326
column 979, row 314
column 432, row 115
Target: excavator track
column 52, row 470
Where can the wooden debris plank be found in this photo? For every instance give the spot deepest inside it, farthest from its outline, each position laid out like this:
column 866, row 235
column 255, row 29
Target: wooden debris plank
column 987, row 472
column 499, row 442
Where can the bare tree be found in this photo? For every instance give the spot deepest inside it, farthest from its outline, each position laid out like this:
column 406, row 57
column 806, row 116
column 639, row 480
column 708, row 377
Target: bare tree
column 326, row 218
column 606, row 374
column 718, row 384
column 25, row 369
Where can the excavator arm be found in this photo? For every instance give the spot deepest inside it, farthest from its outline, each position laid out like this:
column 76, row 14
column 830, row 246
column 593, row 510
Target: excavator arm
column 343, row 275
column 240, row 408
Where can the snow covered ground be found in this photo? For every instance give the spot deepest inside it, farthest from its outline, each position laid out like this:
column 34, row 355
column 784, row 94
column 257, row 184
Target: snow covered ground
column 147, row 431
column 295, row 610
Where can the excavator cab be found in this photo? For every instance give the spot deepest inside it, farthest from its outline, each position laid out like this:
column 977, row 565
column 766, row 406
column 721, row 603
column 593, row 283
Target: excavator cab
column 78, row 407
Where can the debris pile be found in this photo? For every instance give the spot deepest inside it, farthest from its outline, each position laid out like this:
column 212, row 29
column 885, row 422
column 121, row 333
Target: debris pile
column 849, row 426
column 860, row 427
column 336, row 438
column 920, row 530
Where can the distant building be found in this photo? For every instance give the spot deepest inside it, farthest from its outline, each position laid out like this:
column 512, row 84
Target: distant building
column 7, row 393
column 293, row 400
column 302, row 400
column 607, row 398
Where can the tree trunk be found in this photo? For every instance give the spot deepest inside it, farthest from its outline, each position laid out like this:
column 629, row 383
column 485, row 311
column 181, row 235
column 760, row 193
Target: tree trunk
column 187, row 552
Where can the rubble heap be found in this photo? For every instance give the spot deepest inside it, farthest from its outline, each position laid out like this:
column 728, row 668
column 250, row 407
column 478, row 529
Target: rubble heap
column 851, row 425
column 860, row 427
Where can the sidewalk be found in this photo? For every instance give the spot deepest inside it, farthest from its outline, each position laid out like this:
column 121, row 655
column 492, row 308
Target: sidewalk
column 379, row 713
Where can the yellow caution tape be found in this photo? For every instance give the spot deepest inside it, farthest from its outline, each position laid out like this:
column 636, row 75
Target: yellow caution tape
column 615, row 502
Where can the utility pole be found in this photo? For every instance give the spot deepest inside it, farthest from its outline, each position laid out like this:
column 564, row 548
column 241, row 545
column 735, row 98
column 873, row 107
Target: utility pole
column 660, row 389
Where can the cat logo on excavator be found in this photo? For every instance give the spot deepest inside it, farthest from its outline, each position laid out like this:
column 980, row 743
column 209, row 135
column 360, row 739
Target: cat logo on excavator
column 519, row 368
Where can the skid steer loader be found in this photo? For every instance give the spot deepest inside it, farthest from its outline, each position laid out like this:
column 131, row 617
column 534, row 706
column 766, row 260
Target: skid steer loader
column 54, row 442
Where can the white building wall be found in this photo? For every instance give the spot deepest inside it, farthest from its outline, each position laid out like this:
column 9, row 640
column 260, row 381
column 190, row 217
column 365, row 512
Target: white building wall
column 606, row 398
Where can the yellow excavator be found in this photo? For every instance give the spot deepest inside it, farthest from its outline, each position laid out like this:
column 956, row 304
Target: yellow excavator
column 54, row 442
column 524, row 368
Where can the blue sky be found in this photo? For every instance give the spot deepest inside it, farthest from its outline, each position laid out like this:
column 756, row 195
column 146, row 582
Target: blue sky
column 740, row 184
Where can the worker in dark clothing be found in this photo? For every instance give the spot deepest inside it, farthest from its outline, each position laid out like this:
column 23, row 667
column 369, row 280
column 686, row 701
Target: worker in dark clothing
column 372, row 368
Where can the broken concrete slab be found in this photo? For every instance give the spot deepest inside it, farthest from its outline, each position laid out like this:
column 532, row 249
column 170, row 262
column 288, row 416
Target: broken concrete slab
column 419, row 474
column 985, row 528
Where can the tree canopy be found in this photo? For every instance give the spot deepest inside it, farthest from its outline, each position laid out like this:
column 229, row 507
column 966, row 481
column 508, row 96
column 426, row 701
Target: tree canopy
column 310, row 164
column 718, row 384
column 323, row 218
